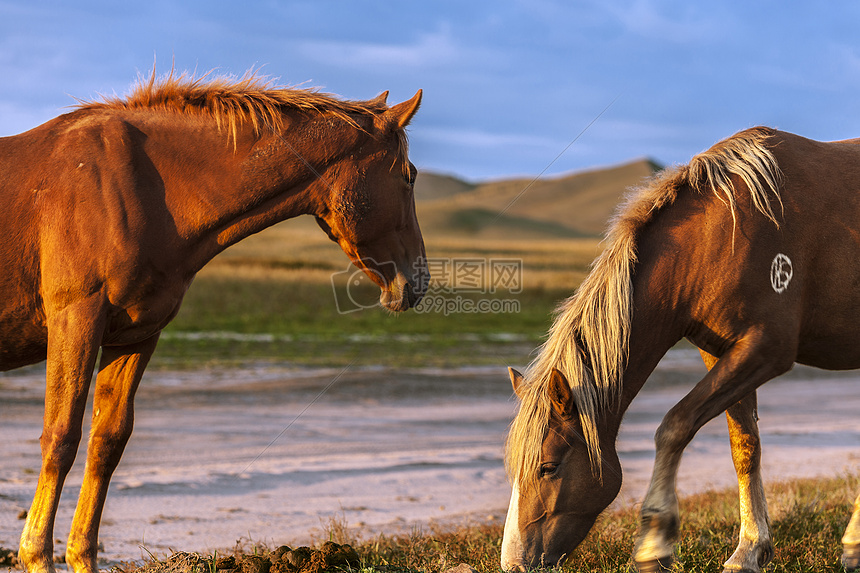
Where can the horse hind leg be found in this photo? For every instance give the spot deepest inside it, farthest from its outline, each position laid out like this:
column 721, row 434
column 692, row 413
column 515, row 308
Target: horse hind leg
column 113, row 417
column 851, row 541
column 755, row 548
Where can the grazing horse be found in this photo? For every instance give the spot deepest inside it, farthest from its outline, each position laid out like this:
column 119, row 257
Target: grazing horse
column 109, row 211
column 750, row 252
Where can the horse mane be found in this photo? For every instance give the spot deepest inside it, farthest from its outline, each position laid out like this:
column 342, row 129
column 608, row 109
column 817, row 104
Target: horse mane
column 588, row 340
column 233, row 102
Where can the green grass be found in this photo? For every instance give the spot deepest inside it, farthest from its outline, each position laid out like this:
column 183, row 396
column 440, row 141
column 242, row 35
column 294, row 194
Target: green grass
column 254, row 305
column 278, row 284
column 306, row 327
column 807, row 519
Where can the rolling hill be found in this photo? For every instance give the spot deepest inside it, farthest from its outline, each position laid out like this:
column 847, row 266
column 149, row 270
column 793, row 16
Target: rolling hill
column 575, row 205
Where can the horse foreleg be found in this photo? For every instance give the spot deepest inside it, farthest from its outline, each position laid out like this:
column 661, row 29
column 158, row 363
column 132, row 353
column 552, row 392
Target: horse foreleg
column 742, row 369
column 73, row 341
column 113, row 417
column 755, row 548
column 660, row 519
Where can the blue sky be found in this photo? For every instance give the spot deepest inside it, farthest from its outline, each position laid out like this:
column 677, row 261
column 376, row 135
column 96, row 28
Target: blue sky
column 508, row 85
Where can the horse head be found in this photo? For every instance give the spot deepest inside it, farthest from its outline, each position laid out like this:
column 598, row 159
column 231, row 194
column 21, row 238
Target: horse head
column 554, row 507
column 370, row 209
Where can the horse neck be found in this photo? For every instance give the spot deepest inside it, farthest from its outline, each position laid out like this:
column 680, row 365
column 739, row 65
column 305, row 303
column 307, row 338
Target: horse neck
column 244, row 187
column 651, row 336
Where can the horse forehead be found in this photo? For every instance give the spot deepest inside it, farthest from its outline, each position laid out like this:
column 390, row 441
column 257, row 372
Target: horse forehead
column 562, row 435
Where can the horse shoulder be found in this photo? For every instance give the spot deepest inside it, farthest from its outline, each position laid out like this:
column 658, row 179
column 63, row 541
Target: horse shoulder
column 98, row 220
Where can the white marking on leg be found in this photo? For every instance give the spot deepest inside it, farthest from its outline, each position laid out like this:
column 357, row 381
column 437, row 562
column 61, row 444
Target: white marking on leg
column 659, row 513
column 754, row 545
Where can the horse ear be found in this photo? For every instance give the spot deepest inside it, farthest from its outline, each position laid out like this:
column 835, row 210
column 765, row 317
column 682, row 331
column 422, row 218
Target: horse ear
column 516, row 381
column 380, row 100
column 401, row 114
column 560, row 394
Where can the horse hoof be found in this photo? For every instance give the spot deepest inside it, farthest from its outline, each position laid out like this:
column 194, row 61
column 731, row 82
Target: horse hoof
column 663, row 565
column 851, row 557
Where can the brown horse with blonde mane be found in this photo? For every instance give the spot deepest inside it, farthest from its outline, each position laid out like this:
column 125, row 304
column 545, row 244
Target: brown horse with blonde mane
column 111, row 210
column 750, row 253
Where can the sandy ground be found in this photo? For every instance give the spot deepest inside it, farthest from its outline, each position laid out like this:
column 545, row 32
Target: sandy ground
column 274, row 455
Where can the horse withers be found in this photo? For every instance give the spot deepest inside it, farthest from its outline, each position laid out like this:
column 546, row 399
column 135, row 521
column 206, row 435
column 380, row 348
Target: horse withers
column 109, row 211
column 750, row 253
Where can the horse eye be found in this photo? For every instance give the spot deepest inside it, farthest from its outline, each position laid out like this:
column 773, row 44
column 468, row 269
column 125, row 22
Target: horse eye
column 548, row 469
column 411, row 175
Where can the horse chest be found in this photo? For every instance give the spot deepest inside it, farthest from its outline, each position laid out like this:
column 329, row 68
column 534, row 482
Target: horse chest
column 147, row 315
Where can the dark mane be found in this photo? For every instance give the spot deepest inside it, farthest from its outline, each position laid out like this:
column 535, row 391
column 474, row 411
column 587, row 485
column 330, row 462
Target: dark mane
column 232, row 102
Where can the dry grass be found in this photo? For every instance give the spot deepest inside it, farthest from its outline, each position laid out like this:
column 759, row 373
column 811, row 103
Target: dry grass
column 807, row 516
column 297, row 251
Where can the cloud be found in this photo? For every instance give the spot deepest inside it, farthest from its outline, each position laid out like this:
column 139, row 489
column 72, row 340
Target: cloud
column 664, row 22
column 477, row 138
column 427, row 50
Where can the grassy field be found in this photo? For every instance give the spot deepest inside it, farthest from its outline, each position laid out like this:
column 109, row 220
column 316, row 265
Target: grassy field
column 273, row 298
column 807, row 521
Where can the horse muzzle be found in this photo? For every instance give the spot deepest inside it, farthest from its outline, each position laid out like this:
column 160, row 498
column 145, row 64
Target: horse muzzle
column 401, row 294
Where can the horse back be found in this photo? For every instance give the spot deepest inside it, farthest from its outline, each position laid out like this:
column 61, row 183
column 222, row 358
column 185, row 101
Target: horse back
column 725, row 273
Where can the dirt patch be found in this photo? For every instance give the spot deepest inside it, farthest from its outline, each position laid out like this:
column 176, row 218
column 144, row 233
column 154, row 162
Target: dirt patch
column 8, row 557
column 284, row 559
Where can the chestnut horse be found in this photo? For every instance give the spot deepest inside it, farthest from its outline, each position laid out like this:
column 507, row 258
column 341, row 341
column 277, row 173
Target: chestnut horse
column 111, row 209
column 749, row 252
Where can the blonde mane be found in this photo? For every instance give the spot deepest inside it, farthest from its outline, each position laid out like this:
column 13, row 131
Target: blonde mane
column 234, row 102
column 588, row 340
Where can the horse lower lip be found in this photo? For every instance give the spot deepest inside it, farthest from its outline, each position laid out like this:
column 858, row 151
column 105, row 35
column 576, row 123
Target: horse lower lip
column 399, row 301
column 394, row 302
